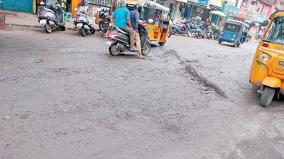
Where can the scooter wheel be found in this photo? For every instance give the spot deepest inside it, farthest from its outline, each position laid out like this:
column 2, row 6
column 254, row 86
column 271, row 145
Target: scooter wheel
column 83, row 32
column 63, row 28
column 267, row 96
column 47, row 28
column 113, row 49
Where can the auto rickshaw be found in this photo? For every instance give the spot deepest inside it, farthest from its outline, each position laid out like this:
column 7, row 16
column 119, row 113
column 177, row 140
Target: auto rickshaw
column 233, row 32
column 267, row 71
column 157, row 21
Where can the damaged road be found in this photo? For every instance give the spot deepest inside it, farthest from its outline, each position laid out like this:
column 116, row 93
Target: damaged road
column 64, row 96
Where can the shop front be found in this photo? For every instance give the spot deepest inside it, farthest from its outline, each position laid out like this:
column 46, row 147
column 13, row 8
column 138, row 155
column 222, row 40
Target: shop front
column 18, row 5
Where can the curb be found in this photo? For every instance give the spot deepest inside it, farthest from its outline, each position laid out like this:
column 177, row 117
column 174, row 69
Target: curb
column 33, row 26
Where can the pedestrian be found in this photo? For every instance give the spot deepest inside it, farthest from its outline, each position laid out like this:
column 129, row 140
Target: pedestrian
column 259, row 34
column 244, row 36
column 135, row 22
column 121, row 19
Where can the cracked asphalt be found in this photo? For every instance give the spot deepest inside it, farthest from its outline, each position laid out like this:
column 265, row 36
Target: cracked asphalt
column 64, row 96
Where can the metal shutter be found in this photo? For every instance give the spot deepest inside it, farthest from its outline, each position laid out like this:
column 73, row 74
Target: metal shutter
column 18, row 5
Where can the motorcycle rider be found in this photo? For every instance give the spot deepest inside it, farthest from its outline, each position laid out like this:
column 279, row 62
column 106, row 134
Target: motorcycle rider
column 135, row 22
column 121, row 18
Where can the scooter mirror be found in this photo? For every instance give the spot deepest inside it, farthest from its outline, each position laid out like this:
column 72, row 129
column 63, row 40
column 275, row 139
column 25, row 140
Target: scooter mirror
column 150, row 20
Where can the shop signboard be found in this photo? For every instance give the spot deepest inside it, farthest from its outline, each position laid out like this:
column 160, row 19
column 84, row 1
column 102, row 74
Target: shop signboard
column 260, row 17
column 231, row 2
column 216, row 2
column 106, row 3
column 203, row 2
column 231, row 11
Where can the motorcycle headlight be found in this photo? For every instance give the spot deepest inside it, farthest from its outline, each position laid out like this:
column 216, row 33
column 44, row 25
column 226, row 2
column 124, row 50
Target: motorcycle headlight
column 263, row 57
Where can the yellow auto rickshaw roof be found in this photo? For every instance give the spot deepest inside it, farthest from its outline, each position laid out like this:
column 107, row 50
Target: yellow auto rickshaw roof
column 279, row 13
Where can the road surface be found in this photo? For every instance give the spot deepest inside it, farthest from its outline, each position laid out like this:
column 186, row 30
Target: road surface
column 64, row 96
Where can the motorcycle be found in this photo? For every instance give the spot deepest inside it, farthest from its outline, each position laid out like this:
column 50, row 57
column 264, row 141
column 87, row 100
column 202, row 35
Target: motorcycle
column 120, row 41
column 181, row 29
column 199, row 32
column 83, row 24
column 51, row 18
column 103, row 20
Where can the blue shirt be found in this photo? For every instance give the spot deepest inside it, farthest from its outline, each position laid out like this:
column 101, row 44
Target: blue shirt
column 121, row 15
column 134, row 17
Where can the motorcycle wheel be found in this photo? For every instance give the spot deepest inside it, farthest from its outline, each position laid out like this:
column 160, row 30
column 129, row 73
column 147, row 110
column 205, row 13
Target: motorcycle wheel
column 170, row 34
column 47, row 28
column 113, row 49
column 188, row 34
column 83, row 32
column 146, row 48
column 103, row 27
column 174, row 31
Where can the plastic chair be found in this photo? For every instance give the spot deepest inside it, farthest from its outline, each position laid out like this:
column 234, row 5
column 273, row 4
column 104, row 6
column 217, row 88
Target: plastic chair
column 67, row 16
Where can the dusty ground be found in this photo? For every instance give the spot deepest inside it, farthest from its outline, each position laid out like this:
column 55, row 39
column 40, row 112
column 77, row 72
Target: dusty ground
column 64, row 96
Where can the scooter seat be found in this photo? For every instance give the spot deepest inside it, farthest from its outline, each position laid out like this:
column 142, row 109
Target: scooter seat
column 120, row 30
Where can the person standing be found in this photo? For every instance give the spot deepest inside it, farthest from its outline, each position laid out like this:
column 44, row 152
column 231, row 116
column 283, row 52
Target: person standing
column 121, row 18
column 135, row 22
column 259, row 34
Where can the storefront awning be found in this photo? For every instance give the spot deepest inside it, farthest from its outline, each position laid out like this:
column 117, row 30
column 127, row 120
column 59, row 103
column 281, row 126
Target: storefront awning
column 218, row 13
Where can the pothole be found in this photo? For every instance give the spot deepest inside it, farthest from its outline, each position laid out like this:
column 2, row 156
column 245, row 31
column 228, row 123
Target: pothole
column 205, row 85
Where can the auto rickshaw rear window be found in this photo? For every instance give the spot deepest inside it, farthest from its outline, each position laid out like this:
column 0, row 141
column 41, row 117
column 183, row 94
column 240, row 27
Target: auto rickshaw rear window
column 275, row 33
column 231, row 27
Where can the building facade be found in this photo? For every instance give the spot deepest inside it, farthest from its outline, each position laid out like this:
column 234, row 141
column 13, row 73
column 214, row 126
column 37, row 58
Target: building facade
column 19, row 5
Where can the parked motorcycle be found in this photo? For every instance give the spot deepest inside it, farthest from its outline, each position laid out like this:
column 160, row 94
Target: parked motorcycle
column 120, row 41
column 51, row 18
column 83, row 24
column 199, row 32
column 181, row 29
column 103, row 20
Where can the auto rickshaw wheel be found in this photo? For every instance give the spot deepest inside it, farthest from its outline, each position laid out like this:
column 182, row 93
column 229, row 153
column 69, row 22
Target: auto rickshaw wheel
column 236, row 44
column 162, row 43
column 267, row 96
column 219, row 41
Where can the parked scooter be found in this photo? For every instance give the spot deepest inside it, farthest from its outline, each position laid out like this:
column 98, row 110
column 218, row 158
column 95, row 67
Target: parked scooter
column 51, row 18
column 120, row 41
column 83, row 24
